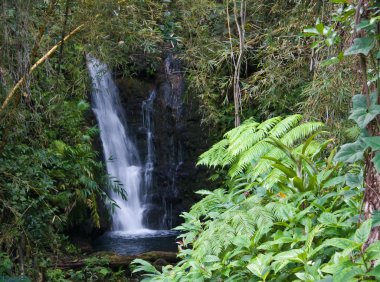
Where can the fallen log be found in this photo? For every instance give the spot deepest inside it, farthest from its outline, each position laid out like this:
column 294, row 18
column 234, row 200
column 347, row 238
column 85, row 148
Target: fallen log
column 115, row 261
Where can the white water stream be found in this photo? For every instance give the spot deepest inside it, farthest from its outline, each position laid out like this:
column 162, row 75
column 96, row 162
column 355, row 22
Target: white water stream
column 121, row 155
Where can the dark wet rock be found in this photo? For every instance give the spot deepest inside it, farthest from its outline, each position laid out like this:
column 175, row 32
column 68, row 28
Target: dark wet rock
column 178, row 141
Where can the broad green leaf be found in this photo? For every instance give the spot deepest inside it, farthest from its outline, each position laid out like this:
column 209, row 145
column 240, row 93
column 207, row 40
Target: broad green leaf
column 259, row 266
column 104, row 271
column 363, row 116
column 298, row 183
column 361, row 113
column 288, row 171
column 362, row 45
column 330, row 62
column 328, row 218
column 310, row 238
column 83, row 105
column 364, row 24
column 277, row 266
column 320, row 27
column 373, row 142
column 279, row 241
column 305, row 276
column 348, row 274
column 359, row 101
column 311, row 31
column 354, row 180
column 204, row 192
column 337, row 266
column 351, row 152
column 375, row 272
column 375, row 218
column 330, row 40
column 292, row 255
column 326, row 279
column 376, row 161
column 324, row 175
column 312, row 182
column 334, row 181
column 341, row 243
column 361, row 235
column 145, row 266
column 373, row 251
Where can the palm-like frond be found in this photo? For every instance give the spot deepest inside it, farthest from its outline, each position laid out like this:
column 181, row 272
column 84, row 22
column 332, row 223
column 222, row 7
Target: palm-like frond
column 214, row 157
column 249, row 157
column 300, row 132
column 285, row 125
column 243, row 148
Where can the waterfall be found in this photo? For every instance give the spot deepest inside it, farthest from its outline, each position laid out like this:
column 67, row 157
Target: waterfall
column 121, row 155
column 147, row 114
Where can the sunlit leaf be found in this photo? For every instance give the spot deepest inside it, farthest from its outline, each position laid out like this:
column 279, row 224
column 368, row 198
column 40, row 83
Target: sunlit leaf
column 362, row 45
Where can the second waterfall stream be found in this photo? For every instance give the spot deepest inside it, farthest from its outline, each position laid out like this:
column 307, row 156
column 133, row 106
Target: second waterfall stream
column 122, row 158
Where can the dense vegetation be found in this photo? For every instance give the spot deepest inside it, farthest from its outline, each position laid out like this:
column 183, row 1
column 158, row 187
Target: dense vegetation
column 294, row 202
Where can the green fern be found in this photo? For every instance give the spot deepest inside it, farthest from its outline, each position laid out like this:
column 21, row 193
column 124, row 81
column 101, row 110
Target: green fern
column 244, row 149
column 279, row 194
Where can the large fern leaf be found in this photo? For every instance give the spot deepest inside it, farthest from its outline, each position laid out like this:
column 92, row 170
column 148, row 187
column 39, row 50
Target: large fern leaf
column 243, row 148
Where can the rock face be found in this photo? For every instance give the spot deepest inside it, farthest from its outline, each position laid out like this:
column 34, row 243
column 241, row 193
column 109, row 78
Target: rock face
column 177, row 140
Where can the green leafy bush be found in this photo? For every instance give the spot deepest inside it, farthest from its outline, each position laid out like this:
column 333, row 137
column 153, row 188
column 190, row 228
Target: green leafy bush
column 302, row 226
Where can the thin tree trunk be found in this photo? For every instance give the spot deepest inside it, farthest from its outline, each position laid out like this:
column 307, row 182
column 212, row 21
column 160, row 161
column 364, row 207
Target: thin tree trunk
column 371, row 197
column 237, row 60
column 372, row 177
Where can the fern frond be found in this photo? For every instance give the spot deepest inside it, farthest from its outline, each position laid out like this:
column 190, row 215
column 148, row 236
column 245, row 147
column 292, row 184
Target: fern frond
column 242, row 223
column 204, row 206
column 243, row 147
column 250, row 156
column 261, row 216
column 264, row 165
column 214, row 157
column 267, row 125
column 272, row 178
column 249, row 138
column 233, row 133
column 300, row 132
column 282, row 211
column 285, row 125
column 245, row 141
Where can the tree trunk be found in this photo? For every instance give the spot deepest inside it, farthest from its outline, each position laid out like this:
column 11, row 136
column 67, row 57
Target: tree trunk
column 371, row 197
column 239, row 18
column 372, row 177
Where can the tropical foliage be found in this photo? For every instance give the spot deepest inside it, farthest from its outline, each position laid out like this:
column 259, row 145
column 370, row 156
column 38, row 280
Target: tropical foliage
column 289, row 203
column 296, row 220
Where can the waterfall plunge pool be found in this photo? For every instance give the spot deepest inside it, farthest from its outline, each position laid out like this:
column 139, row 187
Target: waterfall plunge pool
column 134, row 243
column 124, row 163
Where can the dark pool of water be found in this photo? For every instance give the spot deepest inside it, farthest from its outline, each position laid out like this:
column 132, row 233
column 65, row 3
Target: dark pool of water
column 124, row 243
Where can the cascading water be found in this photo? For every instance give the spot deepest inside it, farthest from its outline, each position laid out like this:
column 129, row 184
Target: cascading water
column 147, row 113
column 129, row 235
column 122, row 159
